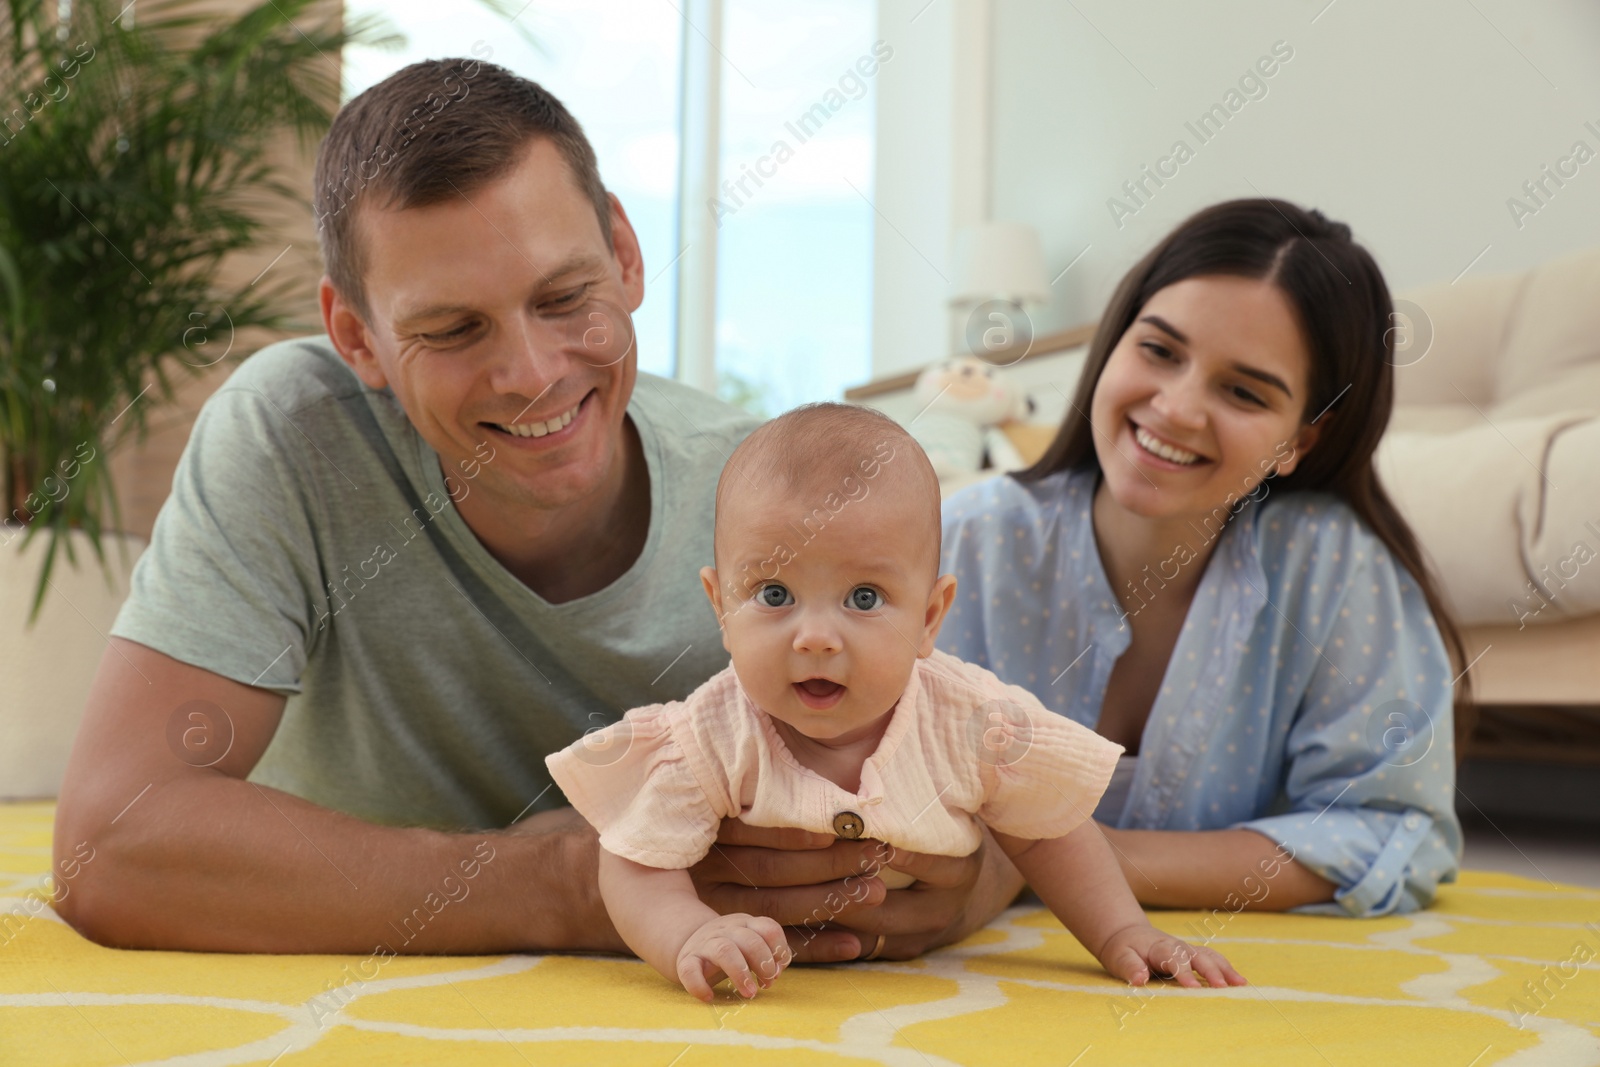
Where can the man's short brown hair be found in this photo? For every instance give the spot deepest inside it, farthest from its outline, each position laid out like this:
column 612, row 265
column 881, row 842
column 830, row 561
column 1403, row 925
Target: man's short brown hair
column 435, row 130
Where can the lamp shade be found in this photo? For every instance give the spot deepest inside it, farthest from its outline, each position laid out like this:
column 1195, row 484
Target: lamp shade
column 1000, row 261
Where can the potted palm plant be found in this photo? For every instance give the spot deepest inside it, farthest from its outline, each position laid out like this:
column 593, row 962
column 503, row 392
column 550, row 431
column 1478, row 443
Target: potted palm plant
column 138, row 152
column 134, row 160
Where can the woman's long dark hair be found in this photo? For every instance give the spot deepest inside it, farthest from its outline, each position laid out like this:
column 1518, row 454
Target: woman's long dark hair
column 1344, row 310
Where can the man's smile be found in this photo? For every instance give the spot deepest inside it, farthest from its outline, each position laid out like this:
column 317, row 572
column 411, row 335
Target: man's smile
column 556, row 427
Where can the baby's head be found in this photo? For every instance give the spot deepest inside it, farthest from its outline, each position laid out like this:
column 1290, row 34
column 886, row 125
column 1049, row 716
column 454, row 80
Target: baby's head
column 827, row 584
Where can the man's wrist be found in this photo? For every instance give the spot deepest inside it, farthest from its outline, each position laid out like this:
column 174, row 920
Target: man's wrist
column 585, row 924
column 551, row 889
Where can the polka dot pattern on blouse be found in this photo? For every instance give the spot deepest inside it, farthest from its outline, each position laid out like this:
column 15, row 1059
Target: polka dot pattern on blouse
column 1308, row 696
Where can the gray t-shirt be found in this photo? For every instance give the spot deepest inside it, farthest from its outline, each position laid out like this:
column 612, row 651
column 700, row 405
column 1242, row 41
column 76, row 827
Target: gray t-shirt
column 310, row 546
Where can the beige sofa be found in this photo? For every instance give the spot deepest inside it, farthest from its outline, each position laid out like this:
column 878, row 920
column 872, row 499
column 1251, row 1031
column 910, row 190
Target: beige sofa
column 1493, row 456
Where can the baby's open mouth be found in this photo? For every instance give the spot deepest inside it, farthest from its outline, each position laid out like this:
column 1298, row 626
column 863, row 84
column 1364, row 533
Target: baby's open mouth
column 818, row 693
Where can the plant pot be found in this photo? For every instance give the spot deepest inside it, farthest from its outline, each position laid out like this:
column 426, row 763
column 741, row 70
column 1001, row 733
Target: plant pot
column 46, row 669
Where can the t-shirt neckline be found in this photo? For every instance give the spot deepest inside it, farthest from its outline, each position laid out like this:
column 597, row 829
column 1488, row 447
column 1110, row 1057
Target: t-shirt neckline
column 649, row 442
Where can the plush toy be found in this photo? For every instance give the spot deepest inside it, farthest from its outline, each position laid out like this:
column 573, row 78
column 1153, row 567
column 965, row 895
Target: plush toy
column 962, row 403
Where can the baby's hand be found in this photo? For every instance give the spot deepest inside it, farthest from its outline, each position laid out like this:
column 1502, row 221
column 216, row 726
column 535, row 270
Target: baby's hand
column 1135, row 952
column 733, row 945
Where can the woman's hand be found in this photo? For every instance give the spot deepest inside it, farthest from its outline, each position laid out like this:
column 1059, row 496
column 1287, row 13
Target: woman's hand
column 751, row 950
column 1135, row 952
column 826, row 891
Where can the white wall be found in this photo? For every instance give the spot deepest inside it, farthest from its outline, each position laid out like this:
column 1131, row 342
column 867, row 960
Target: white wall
column 930, row 173
column 1412, row 122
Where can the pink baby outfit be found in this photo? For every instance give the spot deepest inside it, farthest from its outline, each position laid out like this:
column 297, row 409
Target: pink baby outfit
column 961, row 748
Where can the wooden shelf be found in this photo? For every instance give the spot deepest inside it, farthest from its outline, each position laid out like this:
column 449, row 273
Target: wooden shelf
column 1537, row 734
column 1049, row 344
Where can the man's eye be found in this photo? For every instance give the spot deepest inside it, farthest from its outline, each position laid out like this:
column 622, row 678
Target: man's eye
column 567, row 301
column 865, row 598
column 774, row 595
column 445, row 338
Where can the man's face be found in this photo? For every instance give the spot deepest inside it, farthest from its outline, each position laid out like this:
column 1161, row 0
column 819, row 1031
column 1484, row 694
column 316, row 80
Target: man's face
column 501, row 320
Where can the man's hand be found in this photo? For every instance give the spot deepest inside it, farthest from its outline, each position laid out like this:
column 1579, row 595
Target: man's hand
column 825, row 890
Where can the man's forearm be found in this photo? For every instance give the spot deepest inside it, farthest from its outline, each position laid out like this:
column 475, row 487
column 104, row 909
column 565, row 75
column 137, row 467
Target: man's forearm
column 221, row 864
column 1213, row 869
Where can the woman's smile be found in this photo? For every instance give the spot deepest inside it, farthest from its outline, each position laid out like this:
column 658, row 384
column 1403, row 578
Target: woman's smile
column 1202, row 383
column 1162, row 454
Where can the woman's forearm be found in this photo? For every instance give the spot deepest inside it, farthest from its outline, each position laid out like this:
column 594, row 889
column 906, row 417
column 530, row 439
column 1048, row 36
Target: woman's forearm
column 1230, row 869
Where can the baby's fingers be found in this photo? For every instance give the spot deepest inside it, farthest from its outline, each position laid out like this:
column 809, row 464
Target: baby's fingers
column 777, row 955
column 1126, row 963
column 1170, row 958
column 1215, row 969
column 763, row 948
column 747, row 956
column 738, row 957
column 693, row 971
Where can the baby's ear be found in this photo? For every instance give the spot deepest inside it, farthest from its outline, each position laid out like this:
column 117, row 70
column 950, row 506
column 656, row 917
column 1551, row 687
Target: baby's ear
column 708, row 580
column 940, row 598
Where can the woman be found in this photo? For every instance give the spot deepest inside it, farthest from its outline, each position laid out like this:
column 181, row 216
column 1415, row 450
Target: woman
column 1203, row 567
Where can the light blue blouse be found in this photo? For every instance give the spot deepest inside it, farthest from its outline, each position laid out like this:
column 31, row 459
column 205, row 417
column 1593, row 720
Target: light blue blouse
column 1308, row 696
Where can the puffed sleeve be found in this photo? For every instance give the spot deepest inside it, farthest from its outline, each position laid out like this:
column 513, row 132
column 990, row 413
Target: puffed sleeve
column 642, row 789
column 1370, row 754
column 1042, row 774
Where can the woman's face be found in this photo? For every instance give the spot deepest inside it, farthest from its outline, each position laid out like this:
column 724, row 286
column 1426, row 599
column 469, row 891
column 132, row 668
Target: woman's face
column 1202, row 398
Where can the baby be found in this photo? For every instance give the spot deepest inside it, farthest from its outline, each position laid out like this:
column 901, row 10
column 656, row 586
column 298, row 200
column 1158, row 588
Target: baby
column 838, row 715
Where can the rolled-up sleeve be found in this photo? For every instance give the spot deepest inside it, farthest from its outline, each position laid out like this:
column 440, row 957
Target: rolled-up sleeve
column 1370, row 762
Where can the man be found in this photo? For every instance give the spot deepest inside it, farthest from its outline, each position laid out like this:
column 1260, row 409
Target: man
column 403, row 562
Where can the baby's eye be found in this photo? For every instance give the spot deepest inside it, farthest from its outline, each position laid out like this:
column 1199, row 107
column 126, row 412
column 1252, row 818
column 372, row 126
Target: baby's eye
column 865, row 598
column 774, row 595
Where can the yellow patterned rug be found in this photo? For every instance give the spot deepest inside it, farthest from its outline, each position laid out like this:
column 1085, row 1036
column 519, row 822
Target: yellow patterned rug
column 1502, row 971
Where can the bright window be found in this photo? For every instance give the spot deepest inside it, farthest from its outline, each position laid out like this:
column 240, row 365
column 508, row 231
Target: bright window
column 794, row 263
column 794, row 252
column 615, row 67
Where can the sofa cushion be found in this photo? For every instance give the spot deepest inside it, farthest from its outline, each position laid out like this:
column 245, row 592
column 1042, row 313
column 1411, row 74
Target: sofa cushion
column 1561, row 527
column 1554, row 330
column 1448, row 341
column 1484, row 503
